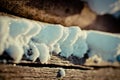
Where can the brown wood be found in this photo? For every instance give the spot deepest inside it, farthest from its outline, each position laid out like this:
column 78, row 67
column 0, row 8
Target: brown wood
column 65, row 12
column 35, row 71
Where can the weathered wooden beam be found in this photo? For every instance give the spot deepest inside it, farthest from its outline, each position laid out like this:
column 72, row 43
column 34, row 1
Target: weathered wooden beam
column 65, row 12
column 10, row 72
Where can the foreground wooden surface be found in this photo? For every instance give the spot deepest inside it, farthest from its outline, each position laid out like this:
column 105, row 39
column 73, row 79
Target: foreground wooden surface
column 36, row 71
column 10, row 72
column 74, row 71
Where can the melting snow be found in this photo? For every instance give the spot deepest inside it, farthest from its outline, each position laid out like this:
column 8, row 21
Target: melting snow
column 105, row 45
column 20, row 36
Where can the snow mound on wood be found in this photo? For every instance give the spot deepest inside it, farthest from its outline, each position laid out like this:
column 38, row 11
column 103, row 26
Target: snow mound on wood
column 36, row 40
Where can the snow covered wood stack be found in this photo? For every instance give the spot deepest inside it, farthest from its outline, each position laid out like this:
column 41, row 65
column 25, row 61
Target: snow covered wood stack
column 40, row 49
column 33, row 50
column 65, row 12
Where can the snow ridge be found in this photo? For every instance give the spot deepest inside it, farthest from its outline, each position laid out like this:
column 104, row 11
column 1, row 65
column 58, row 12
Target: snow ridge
column 37, row 40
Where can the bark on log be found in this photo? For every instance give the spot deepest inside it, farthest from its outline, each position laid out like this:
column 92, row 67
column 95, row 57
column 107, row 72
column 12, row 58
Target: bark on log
column 65, row 12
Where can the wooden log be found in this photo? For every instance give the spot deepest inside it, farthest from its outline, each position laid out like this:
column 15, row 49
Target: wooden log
column 35, row 71
column 65, row 12
column 10, row 72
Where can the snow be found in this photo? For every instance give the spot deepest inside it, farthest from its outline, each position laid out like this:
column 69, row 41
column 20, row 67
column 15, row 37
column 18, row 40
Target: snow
column 35, row 52
column 49, row 35
column 18, row 36
column 18, row 27
column 103, row 44
column 80, row 48
column 14, row 50
column 61, row 73
column 44, row 53
column 104, row 6
column 67, row 45
column 35, row 29
column 15, row 34
column 57, row 48
column 4, row 32
column 65, row 35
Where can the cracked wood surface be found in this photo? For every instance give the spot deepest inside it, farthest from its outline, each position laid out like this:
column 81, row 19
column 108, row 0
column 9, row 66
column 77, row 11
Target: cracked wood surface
column 10, row 72
column 36, row 71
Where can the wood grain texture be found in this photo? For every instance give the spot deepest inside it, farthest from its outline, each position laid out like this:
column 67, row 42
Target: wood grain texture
column 65, row 12
column 35, row 71
column 10, row 72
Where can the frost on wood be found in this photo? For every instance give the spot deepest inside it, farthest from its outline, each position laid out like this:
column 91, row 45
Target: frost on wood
column 36, row 40
column 61, row 73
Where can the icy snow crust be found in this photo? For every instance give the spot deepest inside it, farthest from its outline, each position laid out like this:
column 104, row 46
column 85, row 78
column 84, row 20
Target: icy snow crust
column 104, row 45
column 36, row 40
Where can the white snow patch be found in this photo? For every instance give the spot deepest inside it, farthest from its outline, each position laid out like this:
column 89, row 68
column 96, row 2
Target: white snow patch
column 57, row 48
column 95, row 59
column 67, row 45
column 104, row 6
column 49, row 35
column 44, row 53
column 80, row 46
column 14, row 50
column 18, row 27
column 4, row 32
column 103, row 44
column 35, row 52
column 61, row 73
column 17, row 36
